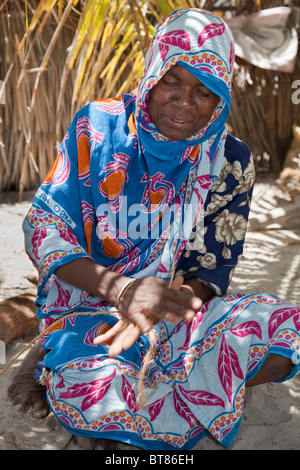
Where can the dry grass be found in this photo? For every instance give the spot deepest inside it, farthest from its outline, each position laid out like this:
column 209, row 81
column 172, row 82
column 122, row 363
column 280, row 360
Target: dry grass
column 56, row 55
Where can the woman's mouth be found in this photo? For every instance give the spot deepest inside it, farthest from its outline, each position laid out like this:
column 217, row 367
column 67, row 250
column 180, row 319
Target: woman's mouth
column 179, row 122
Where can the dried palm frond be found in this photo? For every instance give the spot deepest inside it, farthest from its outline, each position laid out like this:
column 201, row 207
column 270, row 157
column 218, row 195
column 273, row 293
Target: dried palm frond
column 57, row 55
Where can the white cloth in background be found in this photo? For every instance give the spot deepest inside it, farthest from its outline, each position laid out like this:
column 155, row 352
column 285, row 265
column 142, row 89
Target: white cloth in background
column 265, row 39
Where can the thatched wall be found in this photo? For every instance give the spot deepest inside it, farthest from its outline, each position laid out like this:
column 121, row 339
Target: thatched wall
column 28, row 118
column 263, row 112
column 33, row 120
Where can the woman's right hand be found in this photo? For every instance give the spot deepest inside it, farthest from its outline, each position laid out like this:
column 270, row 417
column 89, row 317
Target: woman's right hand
column 152, row 296
column 144, row 299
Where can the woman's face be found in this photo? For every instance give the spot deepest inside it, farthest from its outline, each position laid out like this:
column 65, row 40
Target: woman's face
column 180, row 105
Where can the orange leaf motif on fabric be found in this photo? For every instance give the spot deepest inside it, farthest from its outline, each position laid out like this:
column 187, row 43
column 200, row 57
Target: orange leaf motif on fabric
column 113, row 184
column 83, row 155
column 111, row 247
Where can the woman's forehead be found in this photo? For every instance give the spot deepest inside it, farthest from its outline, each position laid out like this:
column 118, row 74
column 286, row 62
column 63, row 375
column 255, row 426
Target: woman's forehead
column 180, row 72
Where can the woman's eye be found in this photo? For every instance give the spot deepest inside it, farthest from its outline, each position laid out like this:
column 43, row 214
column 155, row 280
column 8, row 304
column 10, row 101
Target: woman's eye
column 169, row 82
column 202, row 93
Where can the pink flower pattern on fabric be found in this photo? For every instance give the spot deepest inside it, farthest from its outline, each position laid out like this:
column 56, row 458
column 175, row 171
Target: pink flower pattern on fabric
column 280, row 316
column 93, row 391
column 187, row 399
column 247, row 328
column 155, row 408
column 128, row 394
column 213, row 29
column 224, row 369
column 178, row 38
column 201, row 397
column 37, row 239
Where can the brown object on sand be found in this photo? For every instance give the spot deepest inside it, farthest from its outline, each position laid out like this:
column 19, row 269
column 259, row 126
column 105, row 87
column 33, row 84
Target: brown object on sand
column 17, row 316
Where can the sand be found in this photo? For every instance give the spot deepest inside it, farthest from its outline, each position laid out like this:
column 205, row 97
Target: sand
column 270, row 263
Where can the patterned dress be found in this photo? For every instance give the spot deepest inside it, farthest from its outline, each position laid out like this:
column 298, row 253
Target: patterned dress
column 123, row 195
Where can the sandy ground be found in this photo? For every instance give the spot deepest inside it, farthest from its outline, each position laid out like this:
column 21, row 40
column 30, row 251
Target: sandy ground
column 270, row 263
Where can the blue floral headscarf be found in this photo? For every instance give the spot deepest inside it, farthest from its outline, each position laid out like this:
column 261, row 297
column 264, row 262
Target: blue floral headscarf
column 201, row 42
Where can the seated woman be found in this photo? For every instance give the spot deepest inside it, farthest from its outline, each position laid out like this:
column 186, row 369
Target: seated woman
column 135, row 233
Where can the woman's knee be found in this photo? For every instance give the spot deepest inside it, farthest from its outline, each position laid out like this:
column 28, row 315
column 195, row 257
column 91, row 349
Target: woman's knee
column 275, row 368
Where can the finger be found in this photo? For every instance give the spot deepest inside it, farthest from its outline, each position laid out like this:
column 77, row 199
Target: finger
column 132, row 338
column 124, row 337
column 110, row 334
column 187, row 315
column 125, row 340
column 185, row 297
column 177, row 282
column 129, row 335
column 172, row 310
column 187, row 289
column 141, row 321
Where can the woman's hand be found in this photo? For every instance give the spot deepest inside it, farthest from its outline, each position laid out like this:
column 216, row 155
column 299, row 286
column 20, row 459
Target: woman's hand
column 146, row 299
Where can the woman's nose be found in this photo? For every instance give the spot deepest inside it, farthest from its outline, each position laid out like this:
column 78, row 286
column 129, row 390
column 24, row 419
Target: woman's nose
column 184, row 98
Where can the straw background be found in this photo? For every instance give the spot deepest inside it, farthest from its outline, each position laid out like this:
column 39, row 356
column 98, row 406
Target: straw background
column 56, row 55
